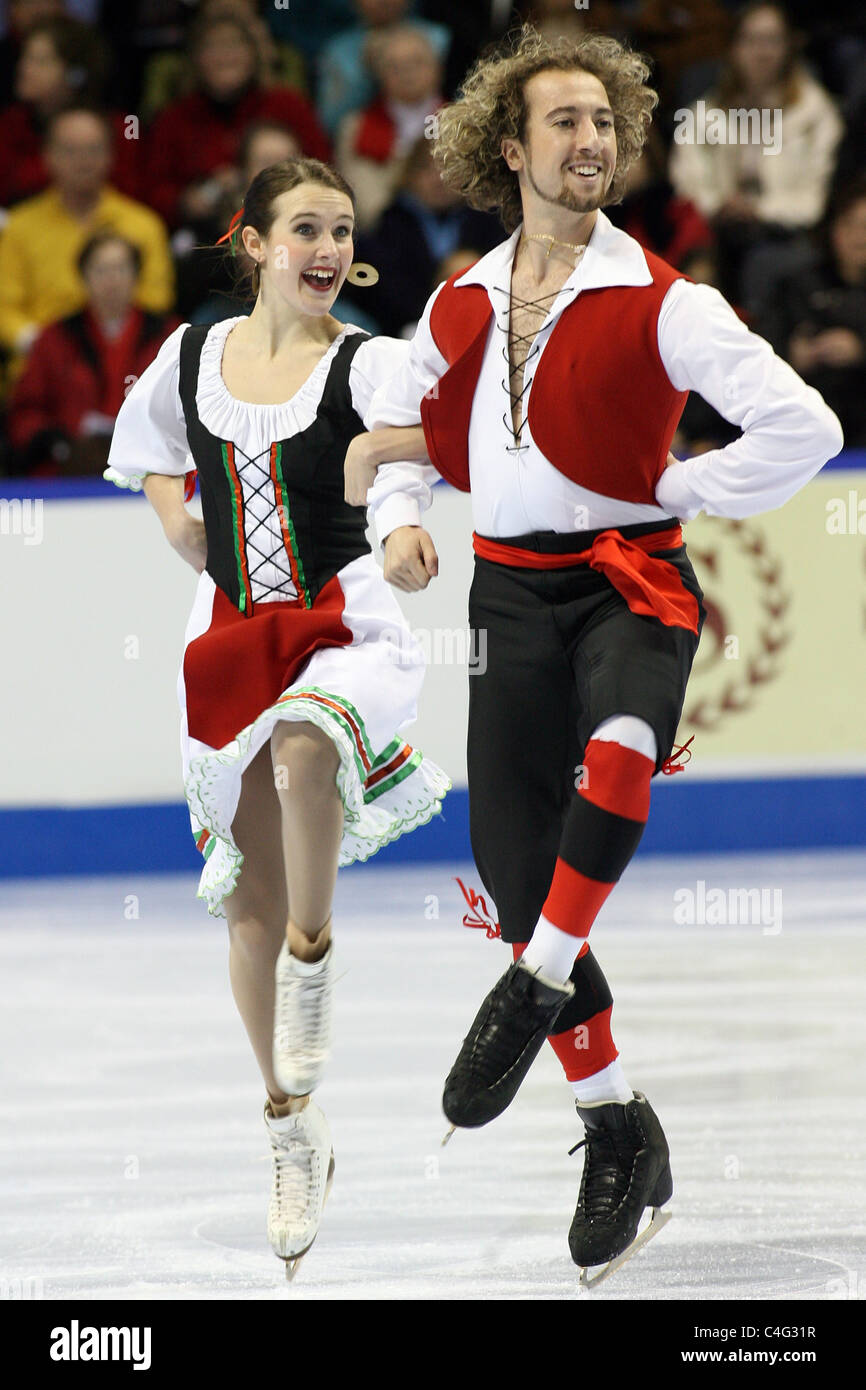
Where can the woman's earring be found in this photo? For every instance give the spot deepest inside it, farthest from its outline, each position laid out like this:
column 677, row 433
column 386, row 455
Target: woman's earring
column 359, row 273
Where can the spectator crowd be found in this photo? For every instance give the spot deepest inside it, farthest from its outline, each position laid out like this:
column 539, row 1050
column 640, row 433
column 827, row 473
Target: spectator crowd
column 131, row 129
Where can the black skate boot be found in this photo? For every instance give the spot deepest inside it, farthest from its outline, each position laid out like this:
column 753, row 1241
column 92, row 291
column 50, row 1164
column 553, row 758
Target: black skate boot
column 626, row 1169
column 501, row 1045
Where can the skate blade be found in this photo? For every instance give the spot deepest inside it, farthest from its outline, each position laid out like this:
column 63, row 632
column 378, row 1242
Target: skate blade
column 292, row 1262
column 448, row 1136
column 658, row 1219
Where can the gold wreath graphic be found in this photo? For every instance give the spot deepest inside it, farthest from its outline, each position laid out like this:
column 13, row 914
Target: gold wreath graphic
column 764, row 665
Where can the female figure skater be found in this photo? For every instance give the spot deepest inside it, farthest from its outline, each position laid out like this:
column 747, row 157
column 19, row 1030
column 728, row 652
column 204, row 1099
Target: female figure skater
column 298, row 670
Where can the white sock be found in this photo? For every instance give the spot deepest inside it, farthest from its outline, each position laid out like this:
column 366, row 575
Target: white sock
column 608, row 1084
column 552, row 951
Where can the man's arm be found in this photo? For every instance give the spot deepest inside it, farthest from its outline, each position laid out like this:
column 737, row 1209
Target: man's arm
column 789, row 432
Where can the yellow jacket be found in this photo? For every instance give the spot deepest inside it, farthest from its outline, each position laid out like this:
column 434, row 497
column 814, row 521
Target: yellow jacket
column 39, row 246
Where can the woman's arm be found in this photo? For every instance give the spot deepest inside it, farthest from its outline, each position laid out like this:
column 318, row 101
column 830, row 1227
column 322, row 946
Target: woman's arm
column 183, row 531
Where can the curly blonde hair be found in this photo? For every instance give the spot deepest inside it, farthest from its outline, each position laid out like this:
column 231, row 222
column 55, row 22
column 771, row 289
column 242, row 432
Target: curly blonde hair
column 491, row 108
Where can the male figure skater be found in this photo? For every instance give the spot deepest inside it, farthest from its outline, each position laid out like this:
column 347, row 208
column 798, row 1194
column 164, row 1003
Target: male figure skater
column 549, row 379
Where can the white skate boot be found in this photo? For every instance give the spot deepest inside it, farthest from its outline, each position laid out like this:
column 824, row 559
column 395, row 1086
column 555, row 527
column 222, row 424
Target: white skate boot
column 303, row 1171
column 302, row 1020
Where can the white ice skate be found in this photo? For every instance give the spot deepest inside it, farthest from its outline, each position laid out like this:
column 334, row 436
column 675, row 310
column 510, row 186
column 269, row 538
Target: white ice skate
column 303, row 1172
column 302, row 1020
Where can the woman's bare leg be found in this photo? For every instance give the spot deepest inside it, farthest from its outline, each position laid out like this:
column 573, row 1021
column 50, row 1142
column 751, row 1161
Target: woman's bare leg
column 305, row 763
column 257, row 912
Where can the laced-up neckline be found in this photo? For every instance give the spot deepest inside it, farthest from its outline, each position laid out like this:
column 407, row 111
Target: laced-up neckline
column 542, row 304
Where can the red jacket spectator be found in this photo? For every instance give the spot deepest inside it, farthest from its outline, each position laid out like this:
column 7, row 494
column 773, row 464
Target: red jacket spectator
column 74, row 383
column 193, row 147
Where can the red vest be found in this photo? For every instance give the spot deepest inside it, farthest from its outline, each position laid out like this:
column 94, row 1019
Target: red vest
column 601, row 408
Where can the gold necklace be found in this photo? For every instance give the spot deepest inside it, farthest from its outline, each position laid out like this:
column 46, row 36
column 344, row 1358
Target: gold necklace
column 545, row 236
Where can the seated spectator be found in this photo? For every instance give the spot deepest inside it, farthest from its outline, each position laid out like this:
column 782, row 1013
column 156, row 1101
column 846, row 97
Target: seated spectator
column 372, row 144
column 425, row 223
column 62, row 63
column 43, row 236
column 20, row 16
column 193, row 144
column 346, row 79
column 63, row 407
column 758, row 189
column 818, row 317
column 652, row 213
column 169, row 76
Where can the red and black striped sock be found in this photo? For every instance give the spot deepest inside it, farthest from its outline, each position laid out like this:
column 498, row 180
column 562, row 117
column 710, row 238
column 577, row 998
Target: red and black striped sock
column 602, row 830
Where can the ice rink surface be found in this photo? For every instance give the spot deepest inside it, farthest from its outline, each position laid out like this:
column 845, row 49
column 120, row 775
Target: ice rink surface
column 135, row 1161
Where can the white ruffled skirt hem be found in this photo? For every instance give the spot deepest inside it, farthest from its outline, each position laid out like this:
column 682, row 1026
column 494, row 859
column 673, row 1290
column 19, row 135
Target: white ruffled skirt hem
column 384, row 796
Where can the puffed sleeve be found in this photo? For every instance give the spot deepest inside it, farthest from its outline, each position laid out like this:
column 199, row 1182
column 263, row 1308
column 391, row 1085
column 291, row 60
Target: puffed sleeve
column 150, row 430
column 375, row 362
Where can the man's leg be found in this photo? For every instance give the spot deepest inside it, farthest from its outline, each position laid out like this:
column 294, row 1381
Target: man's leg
column 622, row 665
column 522, row 751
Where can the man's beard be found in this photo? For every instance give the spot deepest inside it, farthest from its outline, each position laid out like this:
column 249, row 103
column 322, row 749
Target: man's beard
column 567, row 197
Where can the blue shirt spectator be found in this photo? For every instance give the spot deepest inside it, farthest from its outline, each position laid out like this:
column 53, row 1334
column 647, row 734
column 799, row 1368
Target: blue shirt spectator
column 345, row 83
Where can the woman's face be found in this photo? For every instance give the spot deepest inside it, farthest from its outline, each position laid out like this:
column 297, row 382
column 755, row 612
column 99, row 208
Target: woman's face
column 41, row 74
column 225, row 60
column 312, row 231
column 760, row 50
column 110, row 276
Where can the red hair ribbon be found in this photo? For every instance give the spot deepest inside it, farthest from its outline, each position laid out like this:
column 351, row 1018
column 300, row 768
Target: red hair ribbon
column 231, row 234
column 475, row 901
column 670, row 764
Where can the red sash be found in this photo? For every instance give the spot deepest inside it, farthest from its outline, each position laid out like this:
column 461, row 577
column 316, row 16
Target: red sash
column 650, row 586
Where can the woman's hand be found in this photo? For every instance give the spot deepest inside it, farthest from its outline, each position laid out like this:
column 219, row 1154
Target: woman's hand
column 410, row 559
column 360, row 471
column 186, row 535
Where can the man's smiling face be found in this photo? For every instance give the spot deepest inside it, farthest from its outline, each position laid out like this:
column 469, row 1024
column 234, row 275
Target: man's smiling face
column 568, row 156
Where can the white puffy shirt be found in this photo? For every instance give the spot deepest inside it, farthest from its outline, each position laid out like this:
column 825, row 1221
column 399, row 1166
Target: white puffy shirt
column 789, row 432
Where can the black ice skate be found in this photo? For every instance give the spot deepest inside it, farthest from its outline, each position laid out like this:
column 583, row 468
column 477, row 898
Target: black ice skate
column 626, row 1169
column 501, row 1045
